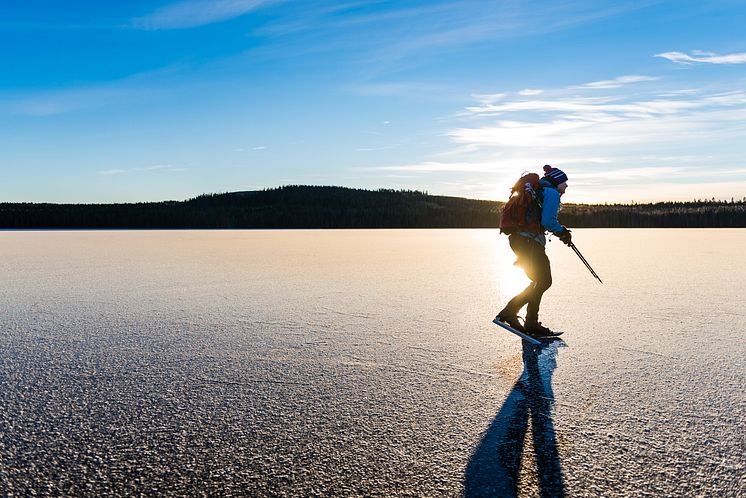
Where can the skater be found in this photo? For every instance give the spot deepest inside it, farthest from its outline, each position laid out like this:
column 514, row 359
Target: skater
column 527, row 240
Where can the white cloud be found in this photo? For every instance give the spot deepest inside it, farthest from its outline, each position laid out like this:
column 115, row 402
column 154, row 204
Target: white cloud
column 591, row 109
column 615, row 146
column 530, row 91
column 521, row 134
column 400, row 89
column 461, row 23
column 373, row 149
column 704, row 57
column 440, row 167
column 61, row 101
column 643, row 173
column 652, row 123
column 50, row 102
column 617, row 82
column 157, row 167
column 489, row 98
column 193, row 13
column 729, row 98
column 404, row 33
column 660, row 190
column 680, row 93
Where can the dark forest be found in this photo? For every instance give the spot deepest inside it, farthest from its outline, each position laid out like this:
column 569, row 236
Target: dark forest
column 340, row 207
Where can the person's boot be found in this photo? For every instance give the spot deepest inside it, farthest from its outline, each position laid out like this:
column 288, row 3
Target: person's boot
column 536, row 329
column 509, row 317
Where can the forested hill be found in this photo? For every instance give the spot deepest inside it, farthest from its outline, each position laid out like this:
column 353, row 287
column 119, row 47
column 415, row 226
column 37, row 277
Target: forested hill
column 339, row 207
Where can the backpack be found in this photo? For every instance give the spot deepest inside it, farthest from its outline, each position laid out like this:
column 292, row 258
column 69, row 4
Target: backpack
column 522, row 212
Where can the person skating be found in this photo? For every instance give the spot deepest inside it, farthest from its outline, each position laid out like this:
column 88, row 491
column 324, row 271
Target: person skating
column 528, row 242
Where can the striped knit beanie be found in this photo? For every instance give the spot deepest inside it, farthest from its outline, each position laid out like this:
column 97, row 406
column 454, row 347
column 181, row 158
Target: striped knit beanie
column 554, row 176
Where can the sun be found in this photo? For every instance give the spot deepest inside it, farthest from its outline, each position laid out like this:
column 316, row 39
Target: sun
column 509, row 279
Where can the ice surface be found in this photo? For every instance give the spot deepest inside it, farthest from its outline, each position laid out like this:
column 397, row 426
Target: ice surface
column 365, row 363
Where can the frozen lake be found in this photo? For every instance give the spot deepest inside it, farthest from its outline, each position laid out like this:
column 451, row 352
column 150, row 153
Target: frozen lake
column 365, row 363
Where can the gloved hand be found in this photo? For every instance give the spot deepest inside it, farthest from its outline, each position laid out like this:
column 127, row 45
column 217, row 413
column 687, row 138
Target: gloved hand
column 565, row 236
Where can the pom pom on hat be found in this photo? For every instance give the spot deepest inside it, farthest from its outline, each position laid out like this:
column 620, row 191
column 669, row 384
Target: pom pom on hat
column 555, row 176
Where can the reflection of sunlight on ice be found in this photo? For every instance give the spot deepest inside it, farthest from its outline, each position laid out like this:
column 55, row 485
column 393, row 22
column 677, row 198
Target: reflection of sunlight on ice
column 509, row 279
column 514, row 280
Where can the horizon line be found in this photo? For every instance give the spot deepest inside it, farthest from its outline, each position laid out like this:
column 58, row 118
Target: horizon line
column 733, row 199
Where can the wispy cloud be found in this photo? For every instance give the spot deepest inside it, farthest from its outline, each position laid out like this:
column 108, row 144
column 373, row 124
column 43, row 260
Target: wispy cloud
column 588, row 109
column 374, row 149
column 489, row 98
column 608, row 108
column 442, row 167
column 160, row 167
column 193, row 13
column 657, row 191
column 632, row 144
column 617, row 82
column 156, row 167
column 461, row 23
column 242, row 149
column 403, row 34
column 54, row 101
column 566, row 122
column 698, row 56
column 645, row 173
column 412, row 89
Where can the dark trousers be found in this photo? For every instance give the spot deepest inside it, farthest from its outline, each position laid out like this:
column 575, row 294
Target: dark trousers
column 533, row 259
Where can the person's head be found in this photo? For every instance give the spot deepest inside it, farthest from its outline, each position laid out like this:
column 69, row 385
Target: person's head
column 556, row 177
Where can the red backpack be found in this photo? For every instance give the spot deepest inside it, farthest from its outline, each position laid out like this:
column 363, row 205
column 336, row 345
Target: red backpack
column 522, row 212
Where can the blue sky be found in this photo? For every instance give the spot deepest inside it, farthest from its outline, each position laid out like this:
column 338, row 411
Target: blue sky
column 156, row 100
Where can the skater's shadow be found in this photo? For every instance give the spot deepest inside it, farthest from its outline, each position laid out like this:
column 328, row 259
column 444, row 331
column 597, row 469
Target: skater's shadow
column 494, row 468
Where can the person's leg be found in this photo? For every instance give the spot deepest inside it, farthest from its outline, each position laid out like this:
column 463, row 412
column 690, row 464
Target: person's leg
column 541, row 275
column 522, row 247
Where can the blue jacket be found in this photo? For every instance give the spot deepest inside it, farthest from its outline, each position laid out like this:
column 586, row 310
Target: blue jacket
column 549, row 209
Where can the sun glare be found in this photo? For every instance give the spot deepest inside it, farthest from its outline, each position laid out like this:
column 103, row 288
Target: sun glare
column 509, row 278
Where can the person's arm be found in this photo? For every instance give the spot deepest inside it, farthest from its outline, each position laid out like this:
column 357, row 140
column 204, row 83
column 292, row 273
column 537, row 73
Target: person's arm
column 549, row 211
column 549, row 216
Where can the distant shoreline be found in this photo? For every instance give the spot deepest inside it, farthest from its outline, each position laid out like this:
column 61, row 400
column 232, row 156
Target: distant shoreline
column 26, row 230
column 314, row 207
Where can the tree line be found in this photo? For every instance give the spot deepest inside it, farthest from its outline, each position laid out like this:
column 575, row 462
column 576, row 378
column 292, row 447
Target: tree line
column 299, row 206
